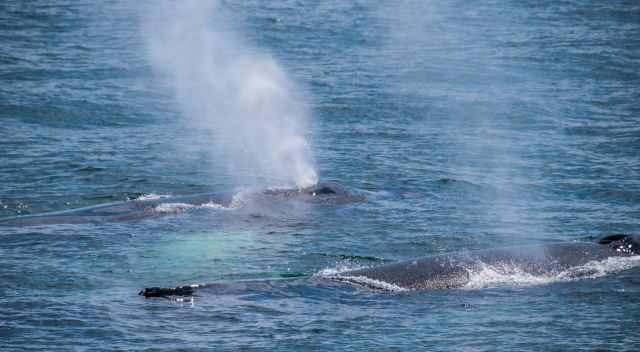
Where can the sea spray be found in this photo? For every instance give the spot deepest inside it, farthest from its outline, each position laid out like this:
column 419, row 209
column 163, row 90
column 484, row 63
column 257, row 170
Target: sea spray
column 240, row 94
column 469, row 92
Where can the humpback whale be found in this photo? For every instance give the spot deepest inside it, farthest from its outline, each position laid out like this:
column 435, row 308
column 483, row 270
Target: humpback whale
column 454, row 270
column 323, row 192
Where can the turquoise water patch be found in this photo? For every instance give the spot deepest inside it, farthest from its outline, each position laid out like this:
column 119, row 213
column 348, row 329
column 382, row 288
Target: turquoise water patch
column 197, row 256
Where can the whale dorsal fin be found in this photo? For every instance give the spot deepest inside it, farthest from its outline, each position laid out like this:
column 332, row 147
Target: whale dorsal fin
column 612, row 238
column 324, row 190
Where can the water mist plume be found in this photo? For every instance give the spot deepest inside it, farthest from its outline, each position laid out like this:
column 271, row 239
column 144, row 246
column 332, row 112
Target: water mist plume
column 224, row 85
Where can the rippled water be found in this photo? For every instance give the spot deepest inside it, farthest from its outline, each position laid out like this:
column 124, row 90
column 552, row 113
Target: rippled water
column 473, row 124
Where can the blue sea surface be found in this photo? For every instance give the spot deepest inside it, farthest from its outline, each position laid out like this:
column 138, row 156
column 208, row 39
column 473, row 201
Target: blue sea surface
column 470, row 125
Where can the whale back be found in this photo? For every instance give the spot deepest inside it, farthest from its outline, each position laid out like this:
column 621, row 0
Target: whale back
column 327, row 192
column 454, row 270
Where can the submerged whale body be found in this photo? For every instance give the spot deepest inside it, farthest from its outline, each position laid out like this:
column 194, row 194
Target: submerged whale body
column 455, row 270
column 323, row 192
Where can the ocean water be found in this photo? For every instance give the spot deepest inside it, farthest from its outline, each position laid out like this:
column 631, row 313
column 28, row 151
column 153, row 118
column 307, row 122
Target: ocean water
column 470, row 125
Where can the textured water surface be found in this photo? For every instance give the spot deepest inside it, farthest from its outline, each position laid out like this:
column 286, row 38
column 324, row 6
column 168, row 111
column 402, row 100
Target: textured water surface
column 470, row 125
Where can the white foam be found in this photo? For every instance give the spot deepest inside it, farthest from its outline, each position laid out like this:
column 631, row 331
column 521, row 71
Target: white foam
column 180, row 207
column 485, row 276
column 368, row 282
column 336, row 274
column 173, row 207
column 239, row 200
column 152, row 196
column 212, row 205
column 595, row 269
column 340, row 268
